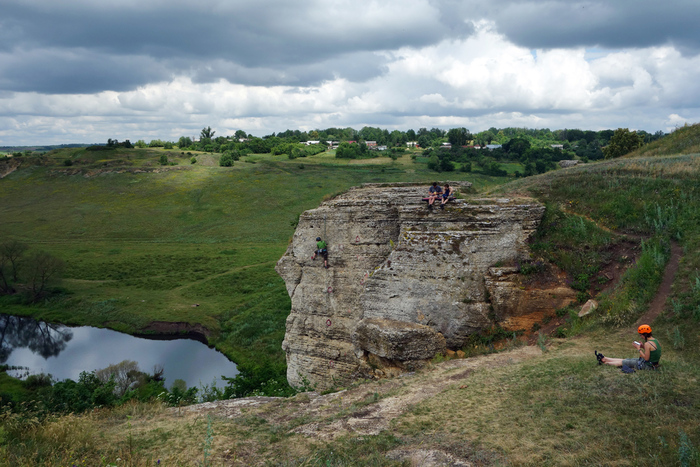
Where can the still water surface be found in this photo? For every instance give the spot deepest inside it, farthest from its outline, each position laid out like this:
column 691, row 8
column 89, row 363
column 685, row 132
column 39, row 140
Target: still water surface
column 64, row 352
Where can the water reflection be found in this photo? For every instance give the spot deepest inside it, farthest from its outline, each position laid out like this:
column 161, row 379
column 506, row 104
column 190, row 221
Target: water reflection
column 45, row 339
column 65, row 352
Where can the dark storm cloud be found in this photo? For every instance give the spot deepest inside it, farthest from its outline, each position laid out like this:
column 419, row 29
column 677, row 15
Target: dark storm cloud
column 60, row 71
column 259, row 43
column 610, row 24
column 359, row 66
column 84, row 46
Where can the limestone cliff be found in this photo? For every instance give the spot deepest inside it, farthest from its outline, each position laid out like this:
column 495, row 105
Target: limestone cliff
column 404, row 282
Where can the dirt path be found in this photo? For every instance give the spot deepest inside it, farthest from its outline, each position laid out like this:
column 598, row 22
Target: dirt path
column 657, row 305
column 366, row 409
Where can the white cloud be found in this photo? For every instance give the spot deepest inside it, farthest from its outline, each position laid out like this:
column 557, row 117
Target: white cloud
column 477, row 81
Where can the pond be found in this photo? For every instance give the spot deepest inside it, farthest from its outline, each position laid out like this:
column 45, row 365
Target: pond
column 64, row 352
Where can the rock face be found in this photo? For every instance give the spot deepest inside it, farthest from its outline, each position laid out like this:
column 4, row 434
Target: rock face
column 405, row 283
column 568, row 163
column 7, row 166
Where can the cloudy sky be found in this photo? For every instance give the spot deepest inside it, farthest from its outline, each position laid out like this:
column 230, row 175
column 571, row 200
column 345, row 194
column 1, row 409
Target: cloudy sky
column 87, row 70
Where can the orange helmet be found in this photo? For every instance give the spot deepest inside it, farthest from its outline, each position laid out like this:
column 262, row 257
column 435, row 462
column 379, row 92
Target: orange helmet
column 644, row 328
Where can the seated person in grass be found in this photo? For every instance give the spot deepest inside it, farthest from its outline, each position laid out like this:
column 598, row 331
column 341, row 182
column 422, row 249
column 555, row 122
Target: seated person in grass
column 446, row 195
column 433, row 193
column 649, row 353
column 321, row 249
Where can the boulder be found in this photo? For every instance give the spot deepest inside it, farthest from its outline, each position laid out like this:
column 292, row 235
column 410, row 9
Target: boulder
column 398, row 340
column 588, row 308
column 568, row 163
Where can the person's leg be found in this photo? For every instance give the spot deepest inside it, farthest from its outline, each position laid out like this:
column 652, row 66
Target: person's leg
column 630, row 362
column 612, row 361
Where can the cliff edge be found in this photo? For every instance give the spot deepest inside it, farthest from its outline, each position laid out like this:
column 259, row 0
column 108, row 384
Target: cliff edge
column 405, row 283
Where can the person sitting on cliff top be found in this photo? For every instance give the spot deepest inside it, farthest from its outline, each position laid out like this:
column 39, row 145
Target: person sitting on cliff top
column 321, row 249
column 446, row 195
column 649, row 353
column 433, row 193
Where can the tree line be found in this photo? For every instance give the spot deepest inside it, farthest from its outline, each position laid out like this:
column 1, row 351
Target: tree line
column 583, row 143
column 537, row 150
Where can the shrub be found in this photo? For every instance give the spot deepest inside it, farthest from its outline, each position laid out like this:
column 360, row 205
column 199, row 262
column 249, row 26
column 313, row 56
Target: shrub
column 163, row 160
column 434, row 163
column 226, row 160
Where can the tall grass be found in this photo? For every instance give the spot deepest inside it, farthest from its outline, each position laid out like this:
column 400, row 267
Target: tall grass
column 638, row 286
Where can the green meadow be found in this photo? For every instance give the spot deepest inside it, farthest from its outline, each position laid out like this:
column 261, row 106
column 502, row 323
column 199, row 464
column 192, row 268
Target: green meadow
column 194, row 243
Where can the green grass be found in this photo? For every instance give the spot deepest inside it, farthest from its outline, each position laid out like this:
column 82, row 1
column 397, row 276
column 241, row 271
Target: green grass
column 553, row 412
column 657, row 198
column 143, row 247
column 684, row 140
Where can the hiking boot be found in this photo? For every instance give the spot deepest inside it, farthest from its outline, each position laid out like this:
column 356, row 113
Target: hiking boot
column 599, row 356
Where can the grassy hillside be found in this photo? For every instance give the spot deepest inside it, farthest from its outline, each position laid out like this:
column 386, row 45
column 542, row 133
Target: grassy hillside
column 555, row 407
column 144, row 242
column 684, row 140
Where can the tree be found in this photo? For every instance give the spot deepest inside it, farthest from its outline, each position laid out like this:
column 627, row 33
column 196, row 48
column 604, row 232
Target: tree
column 622, row 142
column 12, row 253
column 124, row 374
column 206, row 133
column 459, row 136
column 184, row 142
column 446, row 165
column 424, row 141
column 485, row 137
column 42, row 268
column 434, row 163
column 517, row 146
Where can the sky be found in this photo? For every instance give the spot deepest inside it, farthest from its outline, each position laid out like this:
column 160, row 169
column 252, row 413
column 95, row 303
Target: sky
column 83, row 71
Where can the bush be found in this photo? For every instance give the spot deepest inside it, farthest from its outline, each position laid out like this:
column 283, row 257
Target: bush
column 226, row 160
column 434, row 163
column 163, row 160
column 38, row 381
column 446, row 165
column 193, row 160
